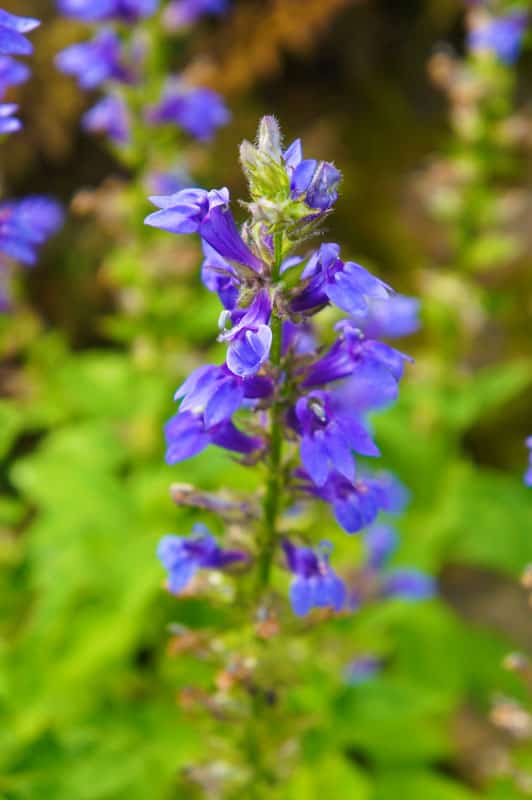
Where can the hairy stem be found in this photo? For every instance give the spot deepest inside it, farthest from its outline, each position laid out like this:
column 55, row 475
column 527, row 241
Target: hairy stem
column 273, row 498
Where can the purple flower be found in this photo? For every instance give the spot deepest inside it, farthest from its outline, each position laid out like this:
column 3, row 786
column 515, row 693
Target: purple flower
column 408, row 584
column 315, row 584
column 183, row 13
column 209, row 398
column 11, row 73
column 353, row 354
column 362, row 669
column 95, row 61
column 99, row 10
column 26, row 224
column 250, row 338
column 169, row 182
column 109, row 116
column 502, row 36
column 389, row 318
column 347, row 285
column 329, row 431
column 381, row 542
column 187, row 435
column 199, row 112
column 8, row 122
column 528, row 474
column 313, row 182
column 12, row 30
column 183, row 556
column 357, row 503
column 219, row 276
column 206, row 213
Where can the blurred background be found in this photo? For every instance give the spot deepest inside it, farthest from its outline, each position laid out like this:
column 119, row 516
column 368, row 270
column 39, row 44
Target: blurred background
column 98, row 699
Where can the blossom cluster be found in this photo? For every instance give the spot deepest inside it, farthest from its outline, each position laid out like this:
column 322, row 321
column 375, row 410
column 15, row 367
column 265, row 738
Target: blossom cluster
column 280, row 387
column 115, row 59
column 24, row 224
column 13, row 42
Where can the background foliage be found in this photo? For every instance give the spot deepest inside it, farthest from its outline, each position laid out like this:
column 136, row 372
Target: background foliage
column 95, row 693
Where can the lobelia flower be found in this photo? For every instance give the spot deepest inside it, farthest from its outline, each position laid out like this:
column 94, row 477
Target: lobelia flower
column 314, row 182
column 347, row 285
column 9, row 123
column 206, row 213
column 502, row 36
column 170, row 181
column 392, row 318
column 12, row 73
column 315, row 584
column 408, row 584
column 329, row 432
column 180, row 14
column 352, row 354
column 26, row 224
column 250, row 338
column 357, row 503
column 13, row 42
column 100, row 10
column 199, row 112
column 210, row 396
column 528, row 474
column 109, row 116
column 96, row 61
column 183, row 556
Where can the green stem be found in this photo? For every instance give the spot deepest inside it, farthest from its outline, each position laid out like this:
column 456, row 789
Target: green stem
column 273, row 498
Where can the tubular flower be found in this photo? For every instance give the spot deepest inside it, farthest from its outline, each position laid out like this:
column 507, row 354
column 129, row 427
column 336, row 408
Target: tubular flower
column 183, row 556
column 315, row 584
column 13, row 41
column 94, row 62
column 199, row 112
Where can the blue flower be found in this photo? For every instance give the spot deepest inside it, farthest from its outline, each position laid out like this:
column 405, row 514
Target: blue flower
column 356, row 504
column 502, row 36
column 26, row 224
column 199, row 112
column 12, row 73
column 378, row 580
column 206, row 213
column 170, row 181
column 183, row 13
column 314, row 182
column 528, row 474
column 183, row 556
column 326, row 278
column 315, row 584
column 352, row 354
column 99, row 10
column 209, row 398
column 389, row 318
column 12, row 30
column 9, row 123
column 330, row 431
column 95, row 61
column 407, row 584
column 250, row 338
column 109, row 116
